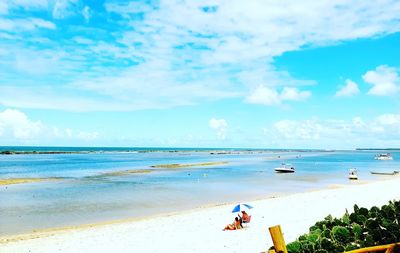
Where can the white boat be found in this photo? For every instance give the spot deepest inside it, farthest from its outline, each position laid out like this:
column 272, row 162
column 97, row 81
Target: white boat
column 353, row 174
column 384, row 156
column 285, row 168
column 392, row 173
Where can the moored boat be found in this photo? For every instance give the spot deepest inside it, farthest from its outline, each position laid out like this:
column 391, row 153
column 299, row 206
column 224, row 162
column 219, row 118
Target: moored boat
column 353, row 174
column 285, row 168
column 383, row 156
column 385, row 173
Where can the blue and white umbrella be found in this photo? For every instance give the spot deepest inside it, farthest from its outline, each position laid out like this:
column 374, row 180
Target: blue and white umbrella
column 241, row 207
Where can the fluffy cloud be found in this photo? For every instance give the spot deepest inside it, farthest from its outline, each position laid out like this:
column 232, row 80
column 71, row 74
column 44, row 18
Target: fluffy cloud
column 264, row 95
column 390, row 120
column 212, row 51
column 16, row 127
column 290, row 93
column 350, row 89
column 269, row 96
column 384, row 80
column 220, row 125
column 383, row 131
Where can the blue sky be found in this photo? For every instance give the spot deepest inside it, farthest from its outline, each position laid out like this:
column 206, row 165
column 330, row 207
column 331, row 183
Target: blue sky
column 256, row 74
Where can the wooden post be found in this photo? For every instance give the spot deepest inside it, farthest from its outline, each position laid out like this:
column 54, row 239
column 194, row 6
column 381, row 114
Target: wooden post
column 277, row 239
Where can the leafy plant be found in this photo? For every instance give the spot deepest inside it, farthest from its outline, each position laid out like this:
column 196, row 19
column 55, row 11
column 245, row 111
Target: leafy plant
column 359, row 229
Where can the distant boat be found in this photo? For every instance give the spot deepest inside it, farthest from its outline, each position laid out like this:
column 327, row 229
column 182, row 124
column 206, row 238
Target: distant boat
column 384, row 156
column 385, row 173
column 285, row 168
column 353, row 174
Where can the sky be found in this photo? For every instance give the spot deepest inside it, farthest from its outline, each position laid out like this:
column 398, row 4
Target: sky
column 179, row 73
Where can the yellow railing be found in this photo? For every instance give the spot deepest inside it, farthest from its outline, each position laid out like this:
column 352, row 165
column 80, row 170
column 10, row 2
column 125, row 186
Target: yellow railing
column 280, row 246
column 388, row 247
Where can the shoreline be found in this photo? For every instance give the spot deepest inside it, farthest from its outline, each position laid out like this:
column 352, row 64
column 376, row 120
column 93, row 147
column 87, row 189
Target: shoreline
column 42, row 232
column 220, row 215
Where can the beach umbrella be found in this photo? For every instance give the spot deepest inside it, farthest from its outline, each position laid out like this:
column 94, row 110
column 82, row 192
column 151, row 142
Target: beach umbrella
column 241, row 207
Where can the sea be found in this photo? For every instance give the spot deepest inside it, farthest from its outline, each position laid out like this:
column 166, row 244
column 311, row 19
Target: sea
column 92, row 185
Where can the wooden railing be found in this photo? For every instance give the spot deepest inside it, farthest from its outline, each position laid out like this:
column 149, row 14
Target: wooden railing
column 280, row 246
column 388, row 247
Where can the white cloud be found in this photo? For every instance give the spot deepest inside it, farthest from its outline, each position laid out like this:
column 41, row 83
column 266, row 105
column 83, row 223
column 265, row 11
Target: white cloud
column 350, row 89
column 40, row 23
column 269, row 96
column 86, row 13
column 382, row 131
column 234, row 42
column 25, row 24
column 220, row 125
column 68, row 133
column 36, row 64
column 87, row 136
column 6, row 24
column 290, row 93
column 82, row 40
column 64, row 8
column 384, row 79
column 264, row 95
column 3, row 8
column 389, row 120
column 126, row 8
column 16, row 127
column 163, row 60
column 50, row 98
column 26, row 4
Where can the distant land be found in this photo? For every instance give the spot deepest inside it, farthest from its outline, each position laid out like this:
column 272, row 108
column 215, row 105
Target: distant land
column 18, row 150
column 388, row 149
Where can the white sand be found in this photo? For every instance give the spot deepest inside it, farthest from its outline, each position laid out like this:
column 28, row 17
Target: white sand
column 200, row 230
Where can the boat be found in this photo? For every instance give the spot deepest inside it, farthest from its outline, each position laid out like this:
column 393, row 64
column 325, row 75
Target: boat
column 285, row 168
column 384, row 156
column 385, row 173
column 353, row 174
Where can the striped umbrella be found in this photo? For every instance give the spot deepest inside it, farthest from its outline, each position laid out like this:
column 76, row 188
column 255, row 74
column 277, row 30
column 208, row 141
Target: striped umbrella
column 241, row 207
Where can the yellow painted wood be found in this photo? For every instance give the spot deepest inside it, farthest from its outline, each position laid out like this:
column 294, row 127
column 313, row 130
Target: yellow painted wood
column 388, row 247
column 277, row 239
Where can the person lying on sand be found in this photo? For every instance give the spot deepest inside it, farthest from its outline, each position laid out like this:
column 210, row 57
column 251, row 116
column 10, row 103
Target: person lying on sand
column 245, row 217
column 235, row 225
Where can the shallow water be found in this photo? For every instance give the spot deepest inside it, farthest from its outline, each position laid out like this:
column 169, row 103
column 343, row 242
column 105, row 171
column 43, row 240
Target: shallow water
column 85, row 194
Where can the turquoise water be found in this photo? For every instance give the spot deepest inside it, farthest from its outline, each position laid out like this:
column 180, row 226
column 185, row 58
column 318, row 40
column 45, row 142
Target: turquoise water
column 83, row 194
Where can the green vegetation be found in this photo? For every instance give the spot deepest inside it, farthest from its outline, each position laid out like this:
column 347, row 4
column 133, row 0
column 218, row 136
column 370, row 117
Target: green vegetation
column 11, row 152
column 155, row 168
column 8, row 181
column 360, row 229
column 123, row 173
column 178, row 165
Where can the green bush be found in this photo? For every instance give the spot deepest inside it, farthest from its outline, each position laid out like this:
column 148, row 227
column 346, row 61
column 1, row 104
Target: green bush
column 359, row 229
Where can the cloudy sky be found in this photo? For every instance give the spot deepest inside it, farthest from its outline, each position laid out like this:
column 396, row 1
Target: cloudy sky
column 176, row 73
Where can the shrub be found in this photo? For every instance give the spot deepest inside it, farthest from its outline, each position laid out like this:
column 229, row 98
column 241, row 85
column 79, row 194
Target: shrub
column 359, row 229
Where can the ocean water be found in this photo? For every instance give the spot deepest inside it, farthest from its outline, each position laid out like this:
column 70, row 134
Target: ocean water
column 84, row 193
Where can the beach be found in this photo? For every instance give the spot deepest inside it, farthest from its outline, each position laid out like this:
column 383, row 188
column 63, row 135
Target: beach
column 200, row 230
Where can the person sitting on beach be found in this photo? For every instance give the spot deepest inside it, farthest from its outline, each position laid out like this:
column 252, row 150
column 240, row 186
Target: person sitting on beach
column 235, row 225
column 245, row 217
